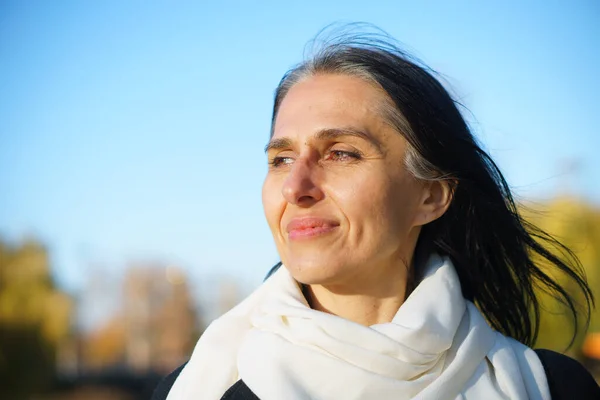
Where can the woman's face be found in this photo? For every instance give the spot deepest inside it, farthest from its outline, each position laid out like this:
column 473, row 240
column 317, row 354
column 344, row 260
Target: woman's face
column 338, row 199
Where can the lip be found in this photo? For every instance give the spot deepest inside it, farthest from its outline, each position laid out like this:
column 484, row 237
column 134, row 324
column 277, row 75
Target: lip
column 309, row 227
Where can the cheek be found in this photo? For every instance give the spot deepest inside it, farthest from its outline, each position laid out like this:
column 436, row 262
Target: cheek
column 380, row 206
column 403, row 201
column 273, row 202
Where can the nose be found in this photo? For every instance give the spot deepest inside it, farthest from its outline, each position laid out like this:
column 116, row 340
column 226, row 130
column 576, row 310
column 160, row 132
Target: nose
column 300, row 187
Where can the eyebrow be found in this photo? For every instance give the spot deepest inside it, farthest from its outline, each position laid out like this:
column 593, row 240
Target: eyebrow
column 324, row 134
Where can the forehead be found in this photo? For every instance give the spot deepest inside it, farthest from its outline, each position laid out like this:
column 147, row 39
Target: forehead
column 327, row 101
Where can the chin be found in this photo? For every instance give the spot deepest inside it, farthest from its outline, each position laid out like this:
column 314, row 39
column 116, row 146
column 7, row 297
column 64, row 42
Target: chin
column 314, row 272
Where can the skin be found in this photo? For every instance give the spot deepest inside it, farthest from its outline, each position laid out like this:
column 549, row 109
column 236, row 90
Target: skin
column 333, row 156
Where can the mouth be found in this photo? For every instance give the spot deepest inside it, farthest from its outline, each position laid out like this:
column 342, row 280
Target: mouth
column 310, row 227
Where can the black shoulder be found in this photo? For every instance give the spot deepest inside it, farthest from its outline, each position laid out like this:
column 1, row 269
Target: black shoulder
column 239, row 391
column 567, row 378
column 165, row 385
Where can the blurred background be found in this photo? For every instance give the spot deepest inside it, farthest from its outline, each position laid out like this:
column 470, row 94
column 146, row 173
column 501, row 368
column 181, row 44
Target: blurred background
column 131, row 163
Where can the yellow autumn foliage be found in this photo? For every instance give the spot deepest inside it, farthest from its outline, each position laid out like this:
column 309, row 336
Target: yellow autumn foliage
column 28, row 296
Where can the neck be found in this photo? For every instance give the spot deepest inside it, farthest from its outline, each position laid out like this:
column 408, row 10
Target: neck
column 376, row 301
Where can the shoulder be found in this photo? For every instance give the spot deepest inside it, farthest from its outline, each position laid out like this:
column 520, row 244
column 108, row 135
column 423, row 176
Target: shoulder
column 165, row 385
column 238, row 391
column 567, row 378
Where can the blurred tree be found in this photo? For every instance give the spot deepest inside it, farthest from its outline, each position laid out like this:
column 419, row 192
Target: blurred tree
column 104, row 347
column 162, row 323
column 34, row 318
column 577, row 225
column 155, row 329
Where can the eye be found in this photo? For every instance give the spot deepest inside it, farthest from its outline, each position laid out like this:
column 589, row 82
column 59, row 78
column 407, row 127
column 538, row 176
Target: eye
column 343, row 155
column 280, row 161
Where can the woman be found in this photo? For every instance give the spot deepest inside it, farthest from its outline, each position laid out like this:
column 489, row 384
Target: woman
column 408, row 272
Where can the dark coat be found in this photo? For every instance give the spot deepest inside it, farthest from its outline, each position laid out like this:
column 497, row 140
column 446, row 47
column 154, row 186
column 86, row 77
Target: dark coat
column 567, row 379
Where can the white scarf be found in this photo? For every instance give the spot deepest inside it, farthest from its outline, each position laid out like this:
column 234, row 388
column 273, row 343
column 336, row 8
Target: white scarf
column 438, row 346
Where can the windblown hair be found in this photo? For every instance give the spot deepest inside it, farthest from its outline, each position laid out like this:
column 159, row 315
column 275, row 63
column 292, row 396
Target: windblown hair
column 501, row 259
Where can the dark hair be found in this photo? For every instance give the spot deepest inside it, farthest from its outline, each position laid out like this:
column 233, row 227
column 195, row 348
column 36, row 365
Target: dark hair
column 497, row 254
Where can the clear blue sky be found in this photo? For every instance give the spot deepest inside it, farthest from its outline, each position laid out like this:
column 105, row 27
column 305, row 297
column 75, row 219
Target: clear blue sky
column 134, row 130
